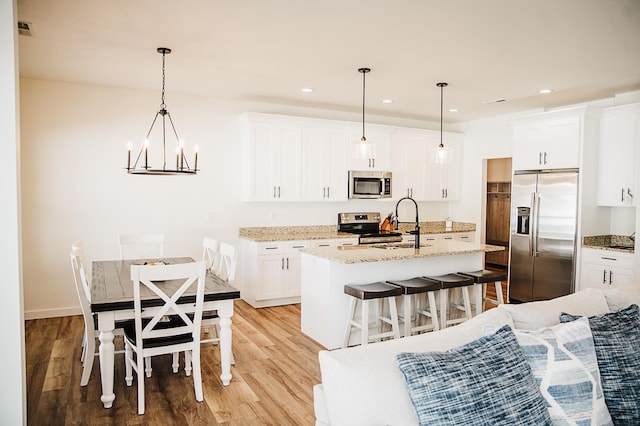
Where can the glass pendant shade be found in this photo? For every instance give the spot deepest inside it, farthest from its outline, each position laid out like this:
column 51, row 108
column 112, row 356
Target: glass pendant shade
column 441, row 154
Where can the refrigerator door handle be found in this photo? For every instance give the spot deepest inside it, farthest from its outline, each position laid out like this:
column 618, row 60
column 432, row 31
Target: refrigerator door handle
column 532, row 223
column 535, row 207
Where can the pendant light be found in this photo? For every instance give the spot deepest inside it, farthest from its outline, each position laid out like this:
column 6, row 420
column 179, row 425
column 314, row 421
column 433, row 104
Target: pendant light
column 365, row 148
column 142, row 164
column 441, row 154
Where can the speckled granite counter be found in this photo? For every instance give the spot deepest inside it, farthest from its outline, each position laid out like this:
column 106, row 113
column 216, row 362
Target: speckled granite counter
column 379, row 253
column 327, row 232
column 620, row 243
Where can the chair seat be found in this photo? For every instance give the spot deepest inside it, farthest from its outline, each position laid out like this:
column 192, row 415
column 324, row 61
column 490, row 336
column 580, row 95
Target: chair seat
column 485, row 276
column 372, row 291
column 451, row 280
column 129, row 328
column 416, row 285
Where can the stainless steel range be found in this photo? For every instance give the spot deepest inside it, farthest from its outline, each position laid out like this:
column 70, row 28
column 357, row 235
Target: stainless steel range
column 367, row 226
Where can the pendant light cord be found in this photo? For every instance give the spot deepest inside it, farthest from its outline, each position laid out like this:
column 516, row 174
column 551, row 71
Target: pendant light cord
column 364, row 71
column 442, row 86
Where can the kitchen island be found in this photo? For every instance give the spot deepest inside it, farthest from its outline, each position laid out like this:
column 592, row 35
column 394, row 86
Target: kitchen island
column 326, row 270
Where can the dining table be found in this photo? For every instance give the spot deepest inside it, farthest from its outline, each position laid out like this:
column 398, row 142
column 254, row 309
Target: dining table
column 112, row 302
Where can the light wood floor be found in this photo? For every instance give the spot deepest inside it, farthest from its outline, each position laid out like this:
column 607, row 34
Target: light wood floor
column 276, row 367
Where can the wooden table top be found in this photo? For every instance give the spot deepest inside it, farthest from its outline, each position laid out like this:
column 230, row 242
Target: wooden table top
column 112, row 288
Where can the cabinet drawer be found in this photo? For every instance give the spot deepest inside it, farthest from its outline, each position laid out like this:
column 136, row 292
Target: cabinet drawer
column 608, row 258
column 281, row 247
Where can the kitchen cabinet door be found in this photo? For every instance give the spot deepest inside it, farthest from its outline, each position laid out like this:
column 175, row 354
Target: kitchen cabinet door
column 409, row 153
column 443, row 179
column 324, row 164
column 619, row 136
column 547, row 142
column 604, row 269
column 375, row 154
column 275, row 166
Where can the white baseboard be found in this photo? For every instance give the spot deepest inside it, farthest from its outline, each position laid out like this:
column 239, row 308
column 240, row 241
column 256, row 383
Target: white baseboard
column 52, row 313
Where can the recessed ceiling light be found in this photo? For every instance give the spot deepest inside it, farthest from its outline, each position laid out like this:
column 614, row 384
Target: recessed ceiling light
column 453, row 110
column 545, row 91
column 387, row 101
column 307, row 90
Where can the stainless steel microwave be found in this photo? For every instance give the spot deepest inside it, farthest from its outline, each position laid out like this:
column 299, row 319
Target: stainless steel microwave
column 369, row 184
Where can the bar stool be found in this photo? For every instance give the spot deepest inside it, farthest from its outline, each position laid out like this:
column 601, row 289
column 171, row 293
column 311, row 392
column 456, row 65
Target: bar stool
column 412, row 289
column 449, row 282
column 481, row 278
column 366, row 293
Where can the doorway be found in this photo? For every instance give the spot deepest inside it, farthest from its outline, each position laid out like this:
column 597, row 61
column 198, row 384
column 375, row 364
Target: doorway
column 498, row 205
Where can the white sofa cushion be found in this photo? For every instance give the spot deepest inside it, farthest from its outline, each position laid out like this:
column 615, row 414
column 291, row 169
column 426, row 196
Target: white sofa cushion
column 535, row 315
column 619, row 298
column 363, row 386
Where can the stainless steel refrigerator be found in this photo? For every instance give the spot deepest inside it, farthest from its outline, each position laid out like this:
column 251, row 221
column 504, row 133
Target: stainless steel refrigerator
column 544, row 208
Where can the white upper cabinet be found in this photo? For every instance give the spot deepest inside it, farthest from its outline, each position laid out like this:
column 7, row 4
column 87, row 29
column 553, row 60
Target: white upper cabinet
column 547, row 141
column 443, row 179
column 416, row 173
column 619, row 136
column 274, row 155
column 375, row 153
column 409, row 161
column 324, row 162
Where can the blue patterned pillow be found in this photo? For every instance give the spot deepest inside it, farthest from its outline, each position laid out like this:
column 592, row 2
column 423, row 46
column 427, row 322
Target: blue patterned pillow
column 617, row 342
column 564, row 364
column 485, row 382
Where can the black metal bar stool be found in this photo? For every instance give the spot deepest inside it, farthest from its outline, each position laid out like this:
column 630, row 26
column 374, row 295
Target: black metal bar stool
column 379, row 291
column 481, row 278
column 450, row 282
column 413, row 309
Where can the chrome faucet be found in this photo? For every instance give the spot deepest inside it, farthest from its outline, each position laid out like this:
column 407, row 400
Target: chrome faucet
column 416, row 232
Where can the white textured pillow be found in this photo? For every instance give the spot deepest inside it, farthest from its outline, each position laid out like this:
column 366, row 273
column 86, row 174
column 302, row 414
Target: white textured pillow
column 535, row 315
column 362, row 385
column 564, row 363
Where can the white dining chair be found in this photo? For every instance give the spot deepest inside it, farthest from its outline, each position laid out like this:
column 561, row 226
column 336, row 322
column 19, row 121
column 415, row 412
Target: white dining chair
column 151, row 335
column 221, row 260
column 91, row 331
column 141, row 246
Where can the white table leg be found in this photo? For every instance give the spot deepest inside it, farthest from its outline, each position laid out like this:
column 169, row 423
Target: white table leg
column 225, row 311
column 106, row 324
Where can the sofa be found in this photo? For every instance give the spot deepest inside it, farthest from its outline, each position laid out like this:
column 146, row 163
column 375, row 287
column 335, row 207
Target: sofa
column 364, row 385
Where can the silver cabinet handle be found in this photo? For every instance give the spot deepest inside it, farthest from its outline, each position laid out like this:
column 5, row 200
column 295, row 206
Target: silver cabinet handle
column 629, row 193
column 274, row 192
column 540, row 157
column 610, row 277
column 604, row 276
column 287, row 263
column 545, row 157
column 622, row 196
column 328, row 193
column 282, row 263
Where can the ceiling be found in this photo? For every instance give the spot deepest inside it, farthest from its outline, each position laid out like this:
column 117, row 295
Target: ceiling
column 267, row 51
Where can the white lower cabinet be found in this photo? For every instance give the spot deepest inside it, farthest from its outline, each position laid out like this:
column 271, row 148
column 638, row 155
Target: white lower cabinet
column 605, row 269
column 271, row 271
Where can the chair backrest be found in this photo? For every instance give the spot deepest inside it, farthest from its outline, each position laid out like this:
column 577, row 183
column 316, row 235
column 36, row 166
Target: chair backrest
column 141, row 246
column 82, row 283
column 210, row 253
column 169, row 282
column 228, row 258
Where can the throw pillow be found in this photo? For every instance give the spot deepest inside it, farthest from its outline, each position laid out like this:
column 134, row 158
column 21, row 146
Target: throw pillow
column 564, row 364
column 484, row 382
column 617, row 342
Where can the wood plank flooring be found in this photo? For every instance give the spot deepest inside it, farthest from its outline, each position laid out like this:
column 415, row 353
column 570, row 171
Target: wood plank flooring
column 276, row 368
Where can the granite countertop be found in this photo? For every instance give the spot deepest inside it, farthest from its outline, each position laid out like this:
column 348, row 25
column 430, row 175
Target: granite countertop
column 384, row 252
column 619, row 243
column 329, row 232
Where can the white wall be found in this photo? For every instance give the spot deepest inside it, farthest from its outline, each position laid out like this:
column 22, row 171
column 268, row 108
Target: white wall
column 75, row 187
column 12, row 355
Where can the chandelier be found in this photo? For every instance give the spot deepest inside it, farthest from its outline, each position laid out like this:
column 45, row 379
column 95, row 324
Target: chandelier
column 142, row 164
